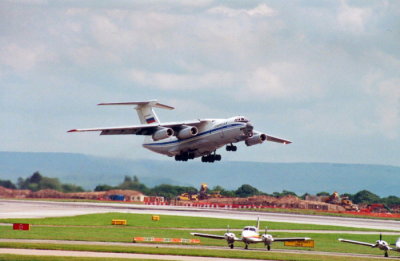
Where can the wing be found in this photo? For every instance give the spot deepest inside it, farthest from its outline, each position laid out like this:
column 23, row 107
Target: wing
column 278, row 140
column 282, row 239
column 145, row 129
column 208, row 235
column 356, row 242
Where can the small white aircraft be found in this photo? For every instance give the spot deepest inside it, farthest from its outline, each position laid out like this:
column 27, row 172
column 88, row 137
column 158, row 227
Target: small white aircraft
column 381, row 244
column 250, row 235
column 188, row 139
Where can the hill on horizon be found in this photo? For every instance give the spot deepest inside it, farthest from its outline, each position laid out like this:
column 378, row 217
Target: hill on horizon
column 90, row 171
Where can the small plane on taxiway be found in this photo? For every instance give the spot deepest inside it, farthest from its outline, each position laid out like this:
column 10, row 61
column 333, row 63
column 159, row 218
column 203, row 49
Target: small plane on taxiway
column 187, row 139
column 381, row 244
column 250, row 235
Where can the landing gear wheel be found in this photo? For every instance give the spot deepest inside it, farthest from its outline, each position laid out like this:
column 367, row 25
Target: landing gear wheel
column 246, row 247
column 386, row 254
column 231, row 246
column 231, row 148
column 218, row 157
column 268, row 247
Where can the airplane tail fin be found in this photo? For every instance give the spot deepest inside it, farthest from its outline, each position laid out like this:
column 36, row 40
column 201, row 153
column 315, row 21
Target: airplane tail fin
column 144, row 110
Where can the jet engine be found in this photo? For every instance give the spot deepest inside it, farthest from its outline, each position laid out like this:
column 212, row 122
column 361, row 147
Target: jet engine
column 187, row 132
column 256, row 139
column 163, row 133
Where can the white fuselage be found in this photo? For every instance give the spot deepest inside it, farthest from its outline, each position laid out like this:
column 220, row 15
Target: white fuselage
column 212, row 134
column 250, row 235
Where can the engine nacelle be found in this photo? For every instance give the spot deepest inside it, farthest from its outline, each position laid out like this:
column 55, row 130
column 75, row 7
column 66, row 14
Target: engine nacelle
column 267, row 239
column 163, row 133
column 230, row 237
column 256, row 139
column 187, row 132
column 398, row 243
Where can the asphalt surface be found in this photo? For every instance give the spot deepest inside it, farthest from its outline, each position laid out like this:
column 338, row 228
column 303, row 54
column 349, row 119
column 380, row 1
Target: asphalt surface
column 261, row 251
column 41, row 252
column 39, row 209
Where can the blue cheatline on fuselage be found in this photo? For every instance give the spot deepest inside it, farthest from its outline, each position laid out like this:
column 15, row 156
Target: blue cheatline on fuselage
column 198, row 135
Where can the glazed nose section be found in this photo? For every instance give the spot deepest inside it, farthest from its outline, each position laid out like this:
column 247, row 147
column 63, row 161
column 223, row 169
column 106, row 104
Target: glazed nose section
column 248, row 130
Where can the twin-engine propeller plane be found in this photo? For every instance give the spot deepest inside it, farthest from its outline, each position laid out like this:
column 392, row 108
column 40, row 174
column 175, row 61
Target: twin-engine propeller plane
column 250, row 235
column 187, row 139
column 381, row 244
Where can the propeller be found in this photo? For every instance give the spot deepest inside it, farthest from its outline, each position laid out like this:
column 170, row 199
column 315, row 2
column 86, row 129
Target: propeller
column 227, row 229
column 380, row 236
column 266, row 229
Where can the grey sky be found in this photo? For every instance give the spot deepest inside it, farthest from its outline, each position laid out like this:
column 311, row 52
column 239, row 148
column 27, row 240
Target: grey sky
column 324, row 74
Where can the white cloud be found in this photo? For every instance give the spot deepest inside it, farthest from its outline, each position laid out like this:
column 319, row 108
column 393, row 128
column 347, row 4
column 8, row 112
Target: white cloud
column 352, row 18
column 260, row 10
column 278, row 81
column 173, row 81
column 386, row 94
column 19, row 58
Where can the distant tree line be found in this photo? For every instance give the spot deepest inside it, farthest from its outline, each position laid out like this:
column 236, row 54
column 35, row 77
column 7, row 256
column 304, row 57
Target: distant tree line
column 37, row 182
column 245, row 190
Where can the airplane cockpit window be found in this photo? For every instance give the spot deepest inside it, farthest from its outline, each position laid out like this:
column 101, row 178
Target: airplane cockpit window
column 252, row 229
column 241, row 119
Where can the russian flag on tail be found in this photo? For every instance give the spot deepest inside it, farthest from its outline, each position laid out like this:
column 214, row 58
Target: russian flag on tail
column 150, row 120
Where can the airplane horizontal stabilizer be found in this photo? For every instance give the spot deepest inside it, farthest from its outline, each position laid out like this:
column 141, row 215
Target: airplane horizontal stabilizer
column 153, row 103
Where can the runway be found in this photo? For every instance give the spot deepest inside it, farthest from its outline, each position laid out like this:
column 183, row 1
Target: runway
column 40, row 209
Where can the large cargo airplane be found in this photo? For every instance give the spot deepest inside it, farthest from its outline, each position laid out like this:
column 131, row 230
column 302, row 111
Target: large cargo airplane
column 187, row 139
column 250, row 235
column 381, row 244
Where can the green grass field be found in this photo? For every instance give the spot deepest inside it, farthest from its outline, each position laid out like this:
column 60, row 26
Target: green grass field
column 8, row 257
column 144, row 220
column 97, row 227
column 184, row 252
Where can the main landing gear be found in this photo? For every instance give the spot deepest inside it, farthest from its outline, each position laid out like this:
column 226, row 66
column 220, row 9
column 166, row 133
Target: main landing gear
column 211, row 158
column 184, row 156
column 231, row 147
